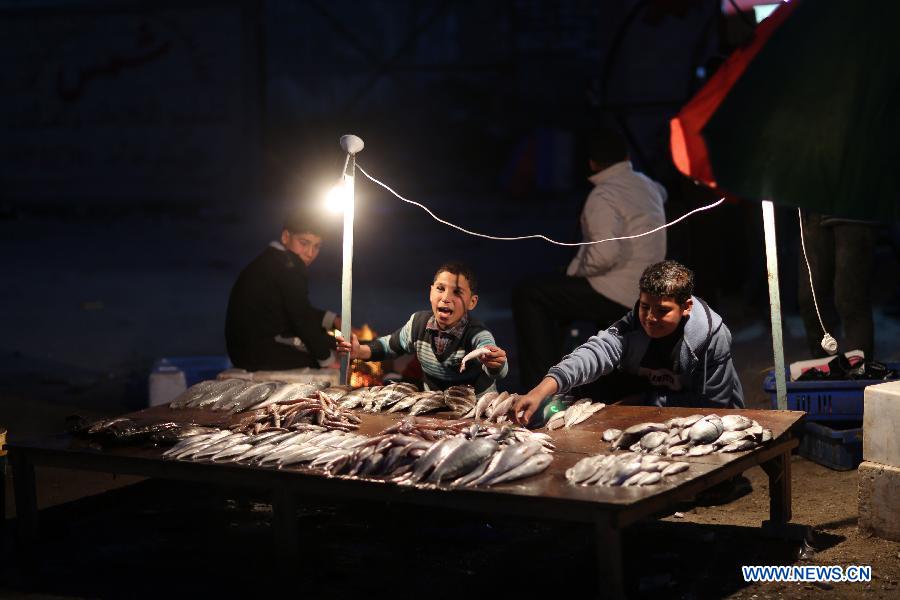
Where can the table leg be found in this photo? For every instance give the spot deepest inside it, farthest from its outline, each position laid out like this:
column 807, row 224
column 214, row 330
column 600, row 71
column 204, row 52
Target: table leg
column 779, row 471
column 610, row 578
column 26, row 501
column 284, row 524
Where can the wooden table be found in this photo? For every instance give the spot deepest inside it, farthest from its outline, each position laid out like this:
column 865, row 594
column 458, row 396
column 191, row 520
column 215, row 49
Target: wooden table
column 548, row 495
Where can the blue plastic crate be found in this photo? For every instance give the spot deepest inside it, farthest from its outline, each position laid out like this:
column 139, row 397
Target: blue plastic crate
column 195, row 368
column 838, row 400
column 839, row 448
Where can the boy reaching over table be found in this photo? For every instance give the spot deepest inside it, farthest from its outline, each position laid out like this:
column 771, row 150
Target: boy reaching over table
column 442, row 337
column 671, row 349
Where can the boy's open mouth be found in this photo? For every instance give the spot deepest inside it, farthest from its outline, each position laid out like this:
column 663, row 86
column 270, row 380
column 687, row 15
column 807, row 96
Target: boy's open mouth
column 445, row 311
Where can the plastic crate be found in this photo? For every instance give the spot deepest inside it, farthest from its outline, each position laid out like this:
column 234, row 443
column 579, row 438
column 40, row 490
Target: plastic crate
column 196, row 368
column 839, row 448
column 836, row 400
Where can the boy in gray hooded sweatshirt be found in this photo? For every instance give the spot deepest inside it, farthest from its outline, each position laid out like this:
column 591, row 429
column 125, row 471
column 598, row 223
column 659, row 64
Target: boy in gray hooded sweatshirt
column 672, row 344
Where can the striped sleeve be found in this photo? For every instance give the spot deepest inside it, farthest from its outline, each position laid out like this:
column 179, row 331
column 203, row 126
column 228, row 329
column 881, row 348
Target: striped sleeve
column 393, row 345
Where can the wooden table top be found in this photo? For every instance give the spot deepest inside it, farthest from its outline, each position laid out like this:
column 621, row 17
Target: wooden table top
column 571, row 446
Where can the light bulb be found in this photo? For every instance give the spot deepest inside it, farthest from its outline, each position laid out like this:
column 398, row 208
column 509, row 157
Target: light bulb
column 338, row 198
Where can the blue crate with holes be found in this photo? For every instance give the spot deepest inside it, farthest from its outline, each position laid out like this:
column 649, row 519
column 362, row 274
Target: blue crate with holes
column 835, row 400
column 837, row 445
column 195, row 368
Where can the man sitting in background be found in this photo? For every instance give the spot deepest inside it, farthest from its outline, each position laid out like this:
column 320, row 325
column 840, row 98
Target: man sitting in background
column 601, row 282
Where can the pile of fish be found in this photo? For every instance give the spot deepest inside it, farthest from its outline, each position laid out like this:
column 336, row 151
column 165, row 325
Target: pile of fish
column 695, row 435
column 239, row 395
column 397, row 397
column 295, row 413
column 269, row 448
column 495, row 406
column 623, row 470
column 574, row 414
column 124, row 430
column 413, row 451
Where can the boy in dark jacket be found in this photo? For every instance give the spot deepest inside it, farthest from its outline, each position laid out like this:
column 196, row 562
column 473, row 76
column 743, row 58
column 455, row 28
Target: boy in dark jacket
column 677, row 350
column 442, row 337
column 270, row 323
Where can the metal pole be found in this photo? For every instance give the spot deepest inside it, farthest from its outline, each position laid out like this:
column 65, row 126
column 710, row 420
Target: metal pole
column 347, row 271
column 768, row 211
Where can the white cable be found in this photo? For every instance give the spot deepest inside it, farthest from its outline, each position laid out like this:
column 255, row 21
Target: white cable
column 537, row 235
column 829, row 344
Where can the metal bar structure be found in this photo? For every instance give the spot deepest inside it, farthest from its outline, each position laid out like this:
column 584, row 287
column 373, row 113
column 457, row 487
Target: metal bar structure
column 768, row 211
column 347, row 269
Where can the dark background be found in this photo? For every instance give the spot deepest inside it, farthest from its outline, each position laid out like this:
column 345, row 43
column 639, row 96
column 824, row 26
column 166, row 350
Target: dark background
column 150, row 150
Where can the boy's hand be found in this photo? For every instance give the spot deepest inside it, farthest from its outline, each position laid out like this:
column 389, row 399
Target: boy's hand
column 526, row 406
column 495, row 359
column 344, row 347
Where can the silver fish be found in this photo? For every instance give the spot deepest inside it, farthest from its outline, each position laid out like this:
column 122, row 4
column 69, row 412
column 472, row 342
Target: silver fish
column 427, row 404
column 532, row 465
column 652, row 440
column 729, row 437
column 704, row 431
column 674, row 468
column 651, row 478
column 701, row 450
column 195, row 392
column 229, row 392
column 463, row 459
column 507, row 459
column 483, row 403
column 288, row 391
column 739, row 446
column 473, row 354
column 736, row 422
column 611, row 434
column 583, row 412
column 252, row 395
column 433, row 456
column 231, row 452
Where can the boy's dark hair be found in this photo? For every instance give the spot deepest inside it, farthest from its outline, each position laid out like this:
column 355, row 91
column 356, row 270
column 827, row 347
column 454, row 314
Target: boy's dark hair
column 606, row 146
column 668, row 278
column 458, row 268
column 304, row 219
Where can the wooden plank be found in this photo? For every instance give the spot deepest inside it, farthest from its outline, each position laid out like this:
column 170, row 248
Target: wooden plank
column 779, row 471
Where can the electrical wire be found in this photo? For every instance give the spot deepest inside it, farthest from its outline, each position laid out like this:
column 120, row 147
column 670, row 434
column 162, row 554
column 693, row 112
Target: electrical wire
column 828, row 342
column 536, row 235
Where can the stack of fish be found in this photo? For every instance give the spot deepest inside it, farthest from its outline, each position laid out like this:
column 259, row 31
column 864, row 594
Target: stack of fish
column 413, row 451
column 574, row 414
column 397, row 397
column 270, row 448
column 494, row 406
column 458, row 453
column 293, row 413
column 623, row 470
column 695, row 435
column 238, row 395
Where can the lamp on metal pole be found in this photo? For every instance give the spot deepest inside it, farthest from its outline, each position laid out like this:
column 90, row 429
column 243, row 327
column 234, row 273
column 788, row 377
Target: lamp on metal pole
column 351, row 145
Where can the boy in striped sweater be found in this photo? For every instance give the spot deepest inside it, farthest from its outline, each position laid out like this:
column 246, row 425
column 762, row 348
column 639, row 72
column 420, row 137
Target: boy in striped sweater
column 442, row 337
